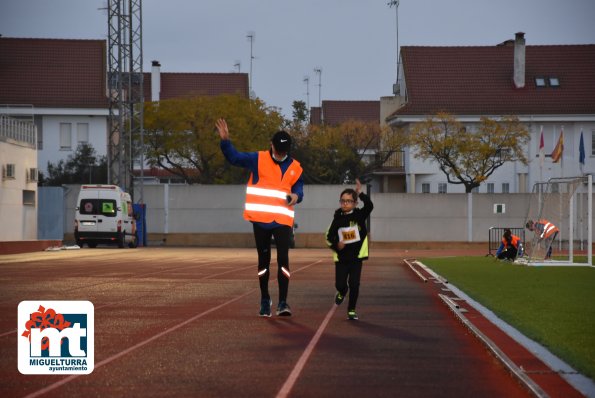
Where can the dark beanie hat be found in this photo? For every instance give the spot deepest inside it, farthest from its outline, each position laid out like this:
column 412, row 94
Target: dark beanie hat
column 281, row 141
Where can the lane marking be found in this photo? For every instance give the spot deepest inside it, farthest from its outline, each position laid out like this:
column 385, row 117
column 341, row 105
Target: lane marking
column 149, row 295
column 299, row 366
column 106, row 361
column 139, row 345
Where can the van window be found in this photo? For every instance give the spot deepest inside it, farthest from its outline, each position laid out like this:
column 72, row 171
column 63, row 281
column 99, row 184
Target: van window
column 105, row 207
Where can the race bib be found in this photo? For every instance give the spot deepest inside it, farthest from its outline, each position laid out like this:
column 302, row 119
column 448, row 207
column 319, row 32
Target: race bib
column 349, row 234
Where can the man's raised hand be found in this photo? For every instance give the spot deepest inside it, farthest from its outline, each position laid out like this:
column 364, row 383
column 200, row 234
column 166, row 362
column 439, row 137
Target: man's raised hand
column 221, row 125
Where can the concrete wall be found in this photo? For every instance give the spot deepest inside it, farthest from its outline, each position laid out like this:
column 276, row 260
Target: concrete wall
column 211, row 215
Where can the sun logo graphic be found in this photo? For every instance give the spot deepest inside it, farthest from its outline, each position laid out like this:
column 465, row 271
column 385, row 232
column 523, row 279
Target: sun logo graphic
column 56, row 337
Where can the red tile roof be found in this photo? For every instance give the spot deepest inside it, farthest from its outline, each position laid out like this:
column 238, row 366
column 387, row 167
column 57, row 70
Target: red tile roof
column 479, row 80
column 174, row 85
column 337, row 112
column 53, row 72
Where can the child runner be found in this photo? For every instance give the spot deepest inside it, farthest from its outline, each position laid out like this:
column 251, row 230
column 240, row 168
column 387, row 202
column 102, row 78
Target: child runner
column 347, row 236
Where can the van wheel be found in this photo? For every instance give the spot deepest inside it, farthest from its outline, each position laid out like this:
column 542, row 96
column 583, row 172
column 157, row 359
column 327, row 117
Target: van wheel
column 121, row 240
column 92, row 244
column 133, row 244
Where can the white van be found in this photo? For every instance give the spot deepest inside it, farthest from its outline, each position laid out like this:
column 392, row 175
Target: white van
column 104, row 215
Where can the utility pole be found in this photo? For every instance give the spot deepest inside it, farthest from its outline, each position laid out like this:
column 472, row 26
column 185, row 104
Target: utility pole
column 238, row 65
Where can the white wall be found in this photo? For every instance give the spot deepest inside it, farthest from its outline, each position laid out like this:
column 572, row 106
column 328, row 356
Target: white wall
column 397, row 217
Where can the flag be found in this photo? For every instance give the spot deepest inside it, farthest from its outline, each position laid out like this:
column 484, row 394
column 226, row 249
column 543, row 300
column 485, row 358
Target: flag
column 581, row 152
column 559, row 149
column 541, row 150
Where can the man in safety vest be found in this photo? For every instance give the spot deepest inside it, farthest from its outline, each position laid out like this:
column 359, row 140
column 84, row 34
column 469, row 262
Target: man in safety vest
column 274, row 187
column 511, row 246
column 546, row 232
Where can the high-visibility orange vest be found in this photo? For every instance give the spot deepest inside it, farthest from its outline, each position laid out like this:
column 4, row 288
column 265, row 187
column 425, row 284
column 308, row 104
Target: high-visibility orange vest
column 548, row 229
column 514, row 241
column 266, row 201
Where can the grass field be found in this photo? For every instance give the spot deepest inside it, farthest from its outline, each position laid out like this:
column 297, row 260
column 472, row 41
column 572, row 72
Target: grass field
column 554, row 306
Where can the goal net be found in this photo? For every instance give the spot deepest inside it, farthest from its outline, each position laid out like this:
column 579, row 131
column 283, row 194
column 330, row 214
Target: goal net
column 559, row 223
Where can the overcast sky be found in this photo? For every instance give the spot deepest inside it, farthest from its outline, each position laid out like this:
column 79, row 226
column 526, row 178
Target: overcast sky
column 354, row 42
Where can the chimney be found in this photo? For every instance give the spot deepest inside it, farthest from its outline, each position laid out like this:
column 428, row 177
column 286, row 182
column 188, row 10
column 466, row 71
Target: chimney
column 155, row 81
column 519, row 60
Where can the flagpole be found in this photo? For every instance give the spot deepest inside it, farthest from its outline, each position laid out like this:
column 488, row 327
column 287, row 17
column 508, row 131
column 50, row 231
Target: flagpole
column 541, row 156
column 562, row 155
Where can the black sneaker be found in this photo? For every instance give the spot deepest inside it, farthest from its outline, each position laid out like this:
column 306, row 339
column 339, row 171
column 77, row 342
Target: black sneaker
column 265, row 307
column 352, row 315
column 339, row 298
column 283, row 309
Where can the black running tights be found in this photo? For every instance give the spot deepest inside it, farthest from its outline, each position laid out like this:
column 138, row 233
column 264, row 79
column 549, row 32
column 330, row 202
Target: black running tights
column 262, row 238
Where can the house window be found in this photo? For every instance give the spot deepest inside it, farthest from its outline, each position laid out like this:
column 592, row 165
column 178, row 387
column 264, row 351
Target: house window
column 491, row 187
column 82, row 132
column 425, row 187
column 65, row 136
column 593, row 143
column 540, row 82
column 554, row 82
column 441, row 187
column 505, row 187
column 28, row 197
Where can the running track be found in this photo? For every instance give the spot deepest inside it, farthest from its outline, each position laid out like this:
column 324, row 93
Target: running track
column 183, row 323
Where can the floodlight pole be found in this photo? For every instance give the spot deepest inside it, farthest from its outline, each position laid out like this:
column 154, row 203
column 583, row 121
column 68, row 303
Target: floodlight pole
column 318, row 70
column 250, row 37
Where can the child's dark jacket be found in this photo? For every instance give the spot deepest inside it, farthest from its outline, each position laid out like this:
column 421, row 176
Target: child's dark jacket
column 356, row 251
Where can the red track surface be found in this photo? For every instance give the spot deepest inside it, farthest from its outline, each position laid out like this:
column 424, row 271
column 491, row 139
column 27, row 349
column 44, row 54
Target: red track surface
column 183, row 323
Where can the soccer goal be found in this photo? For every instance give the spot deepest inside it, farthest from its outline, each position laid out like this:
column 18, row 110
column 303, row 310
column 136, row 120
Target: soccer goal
column 559, row 223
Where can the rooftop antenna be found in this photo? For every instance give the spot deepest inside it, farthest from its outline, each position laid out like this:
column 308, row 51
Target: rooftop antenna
column 307, row 81
column 396, row 86
column 318, row 70
column 238, row 66
column 251, row 36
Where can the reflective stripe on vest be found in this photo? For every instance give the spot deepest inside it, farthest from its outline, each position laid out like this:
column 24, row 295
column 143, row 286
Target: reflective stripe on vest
column 548, row 229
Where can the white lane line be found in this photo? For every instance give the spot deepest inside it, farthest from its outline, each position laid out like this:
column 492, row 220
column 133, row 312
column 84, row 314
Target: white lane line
column 147, row 341
column 139, row 345
column 299, row 366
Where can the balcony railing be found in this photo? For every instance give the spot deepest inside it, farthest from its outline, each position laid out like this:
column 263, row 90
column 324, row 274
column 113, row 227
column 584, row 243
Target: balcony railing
column 23, row 132
column 391, row 160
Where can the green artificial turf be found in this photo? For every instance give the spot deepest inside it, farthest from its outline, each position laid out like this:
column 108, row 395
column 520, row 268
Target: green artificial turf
column 554, row 306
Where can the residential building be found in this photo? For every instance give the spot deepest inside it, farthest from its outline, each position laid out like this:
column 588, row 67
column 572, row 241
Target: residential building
column 61, row 84
column 549, row 87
